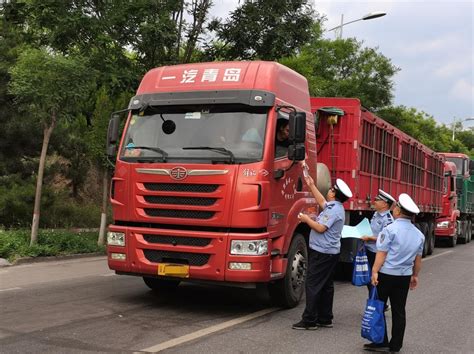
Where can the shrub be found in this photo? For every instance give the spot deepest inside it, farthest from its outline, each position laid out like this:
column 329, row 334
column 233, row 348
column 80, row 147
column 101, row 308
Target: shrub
column 16, row 202
column 14, row 244
column 58, row 210
column 65, row 212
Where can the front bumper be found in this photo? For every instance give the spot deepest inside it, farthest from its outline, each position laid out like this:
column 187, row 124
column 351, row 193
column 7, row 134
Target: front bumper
column 205, row 252
column 445, row 232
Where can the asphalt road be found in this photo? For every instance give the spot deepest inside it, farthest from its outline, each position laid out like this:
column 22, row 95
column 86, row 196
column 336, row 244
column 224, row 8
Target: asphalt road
column 80, row 306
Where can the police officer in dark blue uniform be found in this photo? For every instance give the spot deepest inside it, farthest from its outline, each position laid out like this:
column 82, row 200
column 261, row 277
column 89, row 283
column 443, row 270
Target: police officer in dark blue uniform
column 381, row 218
column 396, row 268
column 324, row 249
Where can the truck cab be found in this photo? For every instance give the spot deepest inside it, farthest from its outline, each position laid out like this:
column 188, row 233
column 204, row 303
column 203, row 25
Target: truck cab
column 465, row 197
column 200, row 191
column 446, row 222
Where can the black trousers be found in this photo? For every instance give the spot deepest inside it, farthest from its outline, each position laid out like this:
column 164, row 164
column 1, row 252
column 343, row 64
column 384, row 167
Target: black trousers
column 371, row 259
column 395, row 288
column 320, row 287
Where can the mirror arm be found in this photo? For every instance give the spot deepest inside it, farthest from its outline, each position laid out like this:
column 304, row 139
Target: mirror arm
column 280, row 107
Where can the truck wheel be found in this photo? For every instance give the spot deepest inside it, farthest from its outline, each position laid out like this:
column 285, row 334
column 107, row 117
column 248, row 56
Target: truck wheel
column 157, row 284
column 287, row 292
column 463, row 234
column 453, row 240
column 431, row 235
column 423, row 227
column 469, row 231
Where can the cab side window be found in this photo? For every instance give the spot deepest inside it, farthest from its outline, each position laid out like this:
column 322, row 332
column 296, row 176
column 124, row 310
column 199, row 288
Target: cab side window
column 281, row 138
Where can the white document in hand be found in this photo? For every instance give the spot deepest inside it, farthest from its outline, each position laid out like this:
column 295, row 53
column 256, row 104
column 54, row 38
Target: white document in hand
column 361, row 229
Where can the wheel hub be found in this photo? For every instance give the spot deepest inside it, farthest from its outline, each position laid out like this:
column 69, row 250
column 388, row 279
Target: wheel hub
column 298, row 270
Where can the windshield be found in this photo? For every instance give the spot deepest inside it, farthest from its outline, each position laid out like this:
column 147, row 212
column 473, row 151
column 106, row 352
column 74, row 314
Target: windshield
column 459, row 164
column 202, row 134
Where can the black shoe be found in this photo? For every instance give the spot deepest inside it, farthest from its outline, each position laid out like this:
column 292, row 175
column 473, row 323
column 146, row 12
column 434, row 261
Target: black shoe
column 374, row 347
column 304, row 325
column 325, row 324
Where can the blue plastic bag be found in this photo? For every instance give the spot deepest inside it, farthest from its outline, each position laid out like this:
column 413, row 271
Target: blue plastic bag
column 361, row 272
column 373, row 321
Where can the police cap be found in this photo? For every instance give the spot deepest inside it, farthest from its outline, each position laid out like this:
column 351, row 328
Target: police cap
column 406, row 203
column 342, row 187
column 385, row 197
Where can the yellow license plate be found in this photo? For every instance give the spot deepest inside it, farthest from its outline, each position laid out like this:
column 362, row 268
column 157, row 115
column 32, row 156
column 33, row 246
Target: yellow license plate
column 173, row 270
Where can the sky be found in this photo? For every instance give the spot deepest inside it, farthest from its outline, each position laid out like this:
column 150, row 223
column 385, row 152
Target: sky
column 430, row 41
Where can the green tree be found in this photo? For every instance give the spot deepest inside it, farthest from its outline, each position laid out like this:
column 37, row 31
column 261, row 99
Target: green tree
column 18, row 141
column 122, row 38
column 72, row 145
column 48, row 87
column 422, row 127
column 97, row 138
column 344, row 68
column 262, row 29
column 467, row 138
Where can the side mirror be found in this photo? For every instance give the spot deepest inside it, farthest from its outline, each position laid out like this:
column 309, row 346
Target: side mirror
column 112, row 131
column 112, row 135
column 111, row 150
column 296, row 152
column 297, row 125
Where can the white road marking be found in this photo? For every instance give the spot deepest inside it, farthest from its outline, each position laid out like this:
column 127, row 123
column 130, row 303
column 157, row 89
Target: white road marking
column 206, row 331
column 108, row 274
column 9, row 289
column 436, row 255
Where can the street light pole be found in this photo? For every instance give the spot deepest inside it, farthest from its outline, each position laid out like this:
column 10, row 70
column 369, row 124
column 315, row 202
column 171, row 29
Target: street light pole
column 338, row 29
column 460, row 121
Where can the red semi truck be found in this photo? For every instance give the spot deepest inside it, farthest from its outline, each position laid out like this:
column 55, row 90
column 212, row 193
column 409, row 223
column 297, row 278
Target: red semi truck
column 455, row 224
column 369, row 153
column 446, row 222
column 200, row 193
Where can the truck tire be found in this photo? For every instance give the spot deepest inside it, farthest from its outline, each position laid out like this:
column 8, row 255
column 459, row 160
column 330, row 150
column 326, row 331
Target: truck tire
column 453, row 240
column 423, row 227
column 157, row 284
column 469, row 231
column 287, row 292
column 462, row 239
column 431, row 235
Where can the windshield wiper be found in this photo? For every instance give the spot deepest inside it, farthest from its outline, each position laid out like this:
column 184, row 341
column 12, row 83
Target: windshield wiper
column 163, row 153
column 212, row 148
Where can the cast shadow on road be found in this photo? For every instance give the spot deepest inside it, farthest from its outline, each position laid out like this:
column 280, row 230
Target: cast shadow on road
column 202, row 298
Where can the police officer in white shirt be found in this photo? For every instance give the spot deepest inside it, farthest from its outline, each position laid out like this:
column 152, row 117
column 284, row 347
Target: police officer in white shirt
column 396, row 268
column 381, row 218
column 324, row 249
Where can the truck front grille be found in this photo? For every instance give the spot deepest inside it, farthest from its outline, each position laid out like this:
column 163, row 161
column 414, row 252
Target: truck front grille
column 184, row 214
column 177, row 240
column 192, row 259
column 155, row 199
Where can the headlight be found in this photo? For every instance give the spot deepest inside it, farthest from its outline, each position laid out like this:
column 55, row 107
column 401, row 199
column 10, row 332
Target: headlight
column 115, row 238
column 249, row 248
column 443, row 224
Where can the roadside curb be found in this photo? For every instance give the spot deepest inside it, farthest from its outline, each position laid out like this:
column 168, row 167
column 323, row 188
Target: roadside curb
column 27, row 260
